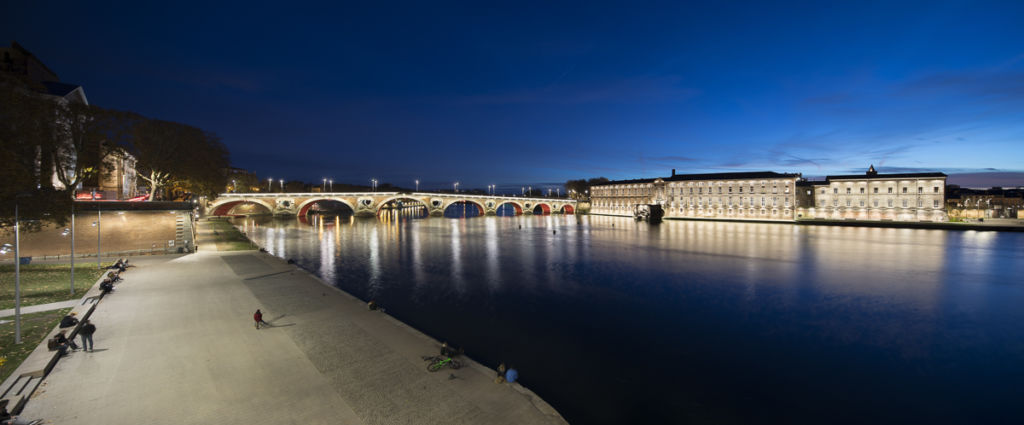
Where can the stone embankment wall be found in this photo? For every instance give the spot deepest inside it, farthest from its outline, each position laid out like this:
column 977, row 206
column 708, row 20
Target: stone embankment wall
column 126, row 232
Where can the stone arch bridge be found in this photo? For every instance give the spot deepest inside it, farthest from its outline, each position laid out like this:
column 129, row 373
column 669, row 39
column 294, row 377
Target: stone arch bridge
column 370, row 204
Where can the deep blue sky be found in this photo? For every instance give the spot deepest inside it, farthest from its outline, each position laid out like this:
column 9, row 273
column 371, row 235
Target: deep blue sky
column 550, row 91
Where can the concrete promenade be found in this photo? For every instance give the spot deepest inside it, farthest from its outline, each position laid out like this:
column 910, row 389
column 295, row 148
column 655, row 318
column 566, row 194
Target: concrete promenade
column 175, row 344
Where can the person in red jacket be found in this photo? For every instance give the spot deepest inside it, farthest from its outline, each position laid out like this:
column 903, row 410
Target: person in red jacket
column 258, row 317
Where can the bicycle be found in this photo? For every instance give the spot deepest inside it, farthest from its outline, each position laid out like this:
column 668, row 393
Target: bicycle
column 438, row 362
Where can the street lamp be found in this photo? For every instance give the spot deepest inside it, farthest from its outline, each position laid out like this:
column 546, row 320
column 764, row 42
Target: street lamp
column 331, row 183
column 373, row 183
column 522, row 191
column 270, row 181
column 281, row 181
column 233, row 187
column 455, row 187
column 417, row 185
column 325, row 184
column 17, row 271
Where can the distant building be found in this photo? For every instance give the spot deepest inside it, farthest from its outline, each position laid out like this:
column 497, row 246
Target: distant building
column 119, row 182
column 883, row 197
column 996, row 202
column 761, row 195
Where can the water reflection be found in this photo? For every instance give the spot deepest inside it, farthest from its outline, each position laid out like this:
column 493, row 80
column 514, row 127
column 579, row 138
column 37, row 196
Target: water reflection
column 742, row 322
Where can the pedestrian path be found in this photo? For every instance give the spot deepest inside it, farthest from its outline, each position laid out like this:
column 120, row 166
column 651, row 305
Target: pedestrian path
column 175, row 344
column 40, row 308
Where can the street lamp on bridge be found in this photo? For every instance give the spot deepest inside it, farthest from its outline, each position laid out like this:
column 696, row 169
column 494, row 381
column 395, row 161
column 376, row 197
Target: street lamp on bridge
column 325, row 184
column 270, row 181
column 373, row 183
column 455, row 187
column 417, row 185
column 331, row 183
column 282, row 185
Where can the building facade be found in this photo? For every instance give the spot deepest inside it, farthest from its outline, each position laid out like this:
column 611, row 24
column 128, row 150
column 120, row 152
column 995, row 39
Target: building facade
column 762, row 195
column 879, row 197
column 118, row 178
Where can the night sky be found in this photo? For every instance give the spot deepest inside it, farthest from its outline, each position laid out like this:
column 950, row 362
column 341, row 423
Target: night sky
column 549, row 91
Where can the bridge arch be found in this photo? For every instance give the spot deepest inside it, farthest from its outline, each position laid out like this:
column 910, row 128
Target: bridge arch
column 223, row 207
column 381, row 204
column 541, row 209
column 480, row 207
column 303, row 208
column 518, row 208
column 567, row 209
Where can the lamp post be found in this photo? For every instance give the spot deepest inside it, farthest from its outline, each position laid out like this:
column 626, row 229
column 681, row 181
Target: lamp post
column 530, row 189
column 455, row 187
column 270, row 181
column 373, row 184
column 233, row 186
column 282, row 185
column 325, row 184
column 522, row 191
column 17, row 273
column 417, row 185
column 72, row 246
column 99, row 236
column 330, row 182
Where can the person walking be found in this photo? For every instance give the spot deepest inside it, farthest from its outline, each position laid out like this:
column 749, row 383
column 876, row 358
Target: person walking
column 86, row 332
column 258, row 317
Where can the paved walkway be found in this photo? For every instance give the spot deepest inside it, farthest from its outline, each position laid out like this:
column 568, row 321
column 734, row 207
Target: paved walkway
column 176, row 345
column 41, row 307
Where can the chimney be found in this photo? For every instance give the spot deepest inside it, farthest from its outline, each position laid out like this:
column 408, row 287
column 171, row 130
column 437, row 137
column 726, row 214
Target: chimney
column 673, row 172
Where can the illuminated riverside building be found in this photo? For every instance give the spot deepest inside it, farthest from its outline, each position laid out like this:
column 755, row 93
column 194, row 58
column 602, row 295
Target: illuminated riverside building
column 879, row 197
column 763, row 195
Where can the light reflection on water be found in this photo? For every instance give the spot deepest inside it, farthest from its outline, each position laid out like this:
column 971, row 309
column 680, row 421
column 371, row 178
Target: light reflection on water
column 614, row 321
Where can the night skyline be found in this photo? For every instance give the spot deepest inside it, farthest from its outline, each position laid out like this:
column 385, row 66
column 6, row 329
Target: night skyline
column 536, row 94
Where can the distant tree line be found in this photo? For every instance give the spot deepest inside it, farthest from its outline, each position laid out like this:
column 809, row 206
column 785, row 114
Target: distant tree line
column 581, row 188
column 43, row 139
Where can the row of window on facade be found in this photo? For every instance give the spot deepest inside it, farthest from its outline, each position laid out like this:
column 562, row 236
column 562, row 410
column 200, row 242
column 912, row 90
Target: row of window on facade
column 717, row 201
column 709, row 210
column 849, row 191
column 679, row 189
column 920, row 203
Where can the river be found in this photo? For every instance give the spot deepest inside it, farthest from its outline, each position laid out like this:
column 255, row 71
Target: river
column 614, row 321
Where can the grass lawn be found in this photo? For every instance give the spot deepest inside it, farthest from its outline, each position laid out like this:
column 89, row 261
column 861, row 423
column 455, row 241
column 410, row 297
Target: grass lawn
column 46, row 283
column 229, row 238
column 34, row 328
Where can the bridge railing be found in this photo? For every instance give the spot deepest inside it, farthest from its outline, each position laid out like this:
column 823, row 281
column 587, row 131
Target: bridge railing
column 389, row 194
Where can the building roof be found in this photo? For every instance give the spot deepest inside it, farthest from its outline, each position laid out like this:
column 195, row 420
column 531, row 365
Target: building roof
column 708, row 176
column 885, row 176
column 733, row 176
column 57, row 88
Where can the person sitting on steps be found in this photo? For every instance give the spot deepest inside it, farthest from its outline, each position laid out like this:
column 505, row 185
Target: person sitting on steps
column 449, row 351
column 106, row 286
column 68, row 321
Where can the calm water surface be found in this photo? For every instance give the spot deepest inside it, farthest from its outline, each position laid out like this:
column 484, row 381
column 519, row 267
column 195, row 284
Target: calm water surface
column 613, row 321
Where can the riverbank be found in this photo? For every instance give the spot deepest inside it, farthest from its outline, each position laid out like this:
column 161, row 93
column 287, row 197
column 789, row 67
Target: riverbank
column 176, row 344
column 983, row 226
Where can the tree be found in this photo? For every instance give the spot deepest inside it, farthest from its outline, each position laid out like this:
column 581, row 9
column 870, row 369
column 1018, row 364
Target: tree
column 170, row 152
column 27, row 139
column 582, row 186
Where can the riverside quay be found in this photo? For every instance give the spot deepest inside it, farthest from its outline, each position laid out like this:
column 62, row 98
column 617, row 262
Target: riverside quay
column 771, row 196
